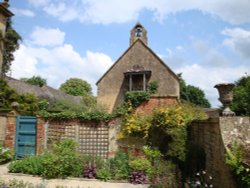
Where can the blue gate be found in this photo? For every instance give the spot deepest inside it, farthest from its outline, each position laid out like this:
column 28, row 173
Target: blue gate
column 25, row 140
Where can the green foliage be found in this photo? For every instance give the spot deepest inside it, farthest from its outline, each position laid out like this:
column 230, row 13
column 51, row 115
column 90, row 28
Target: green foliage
column 28, row 103
column 30, row 165
column 152, row 154
column 241, row 101
column 35, row 80
column 76, row 87
column 66, row 106
column 104, row 173
column 165, row 129
column 136, row 97
column 235, row 160
column 6, row 155
column 163, row 174
column 43, row 104
column 119, row 165
column 152, row 87
column 61, row 160
column 7, row 95
column 192, row 94
column 98, row 116
column 11, row 44
column 141, row 165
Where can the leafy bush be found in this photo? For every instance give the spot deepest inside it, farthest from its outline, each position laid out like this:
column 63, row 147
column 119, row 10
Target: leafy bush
column 30, row 165
column 28, row 103
column 235, row 160
column 152, row 87
column 119, row 165
column 98, row 116
column 104, row 173
column 136, row 97
column 163, row 174
column 6, row 155
column 141, row 165
column 62, row 160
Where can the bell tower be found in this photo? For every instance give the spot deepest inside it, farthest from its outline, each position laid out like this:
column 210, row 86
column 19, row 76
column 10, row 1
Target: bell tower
column 138, row 32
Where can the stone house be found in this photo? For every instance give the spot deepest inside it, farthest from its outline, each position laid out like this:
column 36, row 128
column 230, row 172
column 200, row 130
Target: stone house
column 135, row 68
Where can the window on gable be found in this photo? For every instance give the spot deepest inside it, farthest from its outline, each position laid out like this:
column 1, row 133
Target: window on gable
column 137, row 81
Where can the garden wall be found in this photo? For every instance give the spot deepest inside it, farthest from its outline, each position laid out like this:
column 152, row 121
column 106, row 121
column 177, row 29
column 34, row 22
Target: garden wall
column 92, row 137
column 214, row 135
column 3, row 122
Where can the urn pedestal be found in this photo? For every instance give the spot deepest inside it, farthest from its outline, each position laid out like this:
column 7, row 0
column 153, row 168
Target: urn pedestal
column 225, row 97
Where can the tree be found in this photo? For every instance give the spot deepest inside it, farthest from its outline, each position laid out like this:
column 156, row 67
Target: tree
column 192, row 94
column 241, row 101
column 76, row 87
column 35, row 80
column 11, row 44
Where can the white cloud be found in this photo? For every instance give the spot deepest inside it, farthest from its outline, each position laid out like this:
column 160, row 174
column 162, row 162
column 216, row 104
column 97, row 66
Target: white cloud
column 206, row 78
column 118, row 11
column 23, row 12
column 38, row 3
column 59, row 64
column 47, row 37
column 238, row 40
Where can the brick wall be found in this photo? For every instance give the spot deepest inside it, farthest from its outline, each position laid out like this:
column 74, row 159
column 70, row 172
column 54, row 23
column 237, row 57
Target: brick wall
column 214, row 135
column 154, row 102
column 10, row 131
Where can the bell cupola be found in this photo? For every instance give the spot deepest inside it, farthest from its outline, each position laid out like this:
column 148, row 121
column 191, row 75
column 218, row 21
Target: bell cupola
column 138, row 32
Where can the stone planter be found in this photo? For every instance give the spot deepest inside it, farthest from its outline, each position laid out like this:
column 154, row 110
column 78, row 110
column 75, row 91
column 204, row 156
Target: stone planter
column 225, row 97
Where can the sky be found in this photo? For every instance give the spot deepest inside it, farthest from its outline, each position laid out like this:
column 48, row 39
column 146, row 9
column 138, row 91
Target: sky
column 207, row 41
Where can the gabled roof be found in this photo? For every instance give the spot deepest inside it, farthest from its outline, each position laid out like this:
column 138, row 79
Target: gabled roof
column 44, row 92
column 154, row 54
column 5, row 11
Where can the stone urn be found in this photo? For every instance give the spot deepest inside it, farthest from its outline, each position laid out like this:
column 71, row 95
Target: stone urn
column 225, row 97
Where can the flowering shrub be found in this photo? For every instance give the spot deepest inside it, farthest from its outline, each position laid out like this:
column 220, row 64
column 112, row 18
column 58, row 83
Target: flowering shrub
column 201, row 180
column 134, row 125
column 6, row 155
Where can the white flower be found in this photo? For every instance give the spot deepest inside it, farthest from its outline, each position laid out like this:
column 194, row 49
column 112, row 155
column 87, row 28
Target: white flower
column 198, row 183
column 210, row 177
column 203, row 172
column 197, row 173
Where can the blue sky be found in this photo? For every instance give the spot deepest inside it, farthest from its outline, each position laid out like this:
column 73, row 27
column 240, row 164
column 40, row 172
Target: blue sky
column 207, row 41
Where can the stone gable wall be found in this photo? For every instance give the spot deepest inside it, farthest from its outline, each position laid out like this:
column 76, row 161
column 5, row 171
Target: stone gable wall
column 111, row 88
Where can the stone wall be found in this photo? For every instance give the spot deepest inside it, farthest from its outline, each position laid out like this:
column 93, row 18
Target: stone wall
column 113, row 85
column 214, row 136
column 3, row 122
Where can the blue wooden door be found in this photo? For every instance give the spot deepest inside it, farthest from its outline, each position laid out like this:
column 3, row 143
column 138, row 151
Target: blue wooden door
column 25, row 140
